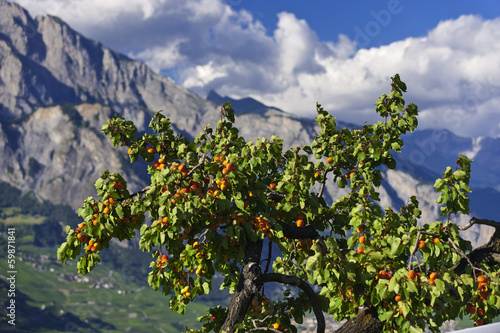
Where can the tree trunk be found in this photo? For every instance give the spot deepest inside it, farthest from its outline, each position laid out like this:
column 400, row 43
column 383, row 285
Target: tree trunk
column 363, row 322
column 249, row 285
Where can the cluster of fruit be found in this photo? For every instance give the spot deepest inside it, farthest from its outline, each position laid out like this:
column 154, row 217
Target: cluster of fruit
column 186, row 291
column 227, row 167
column 91, row 245
column 422, row 243
column 261, row 224
column 479, row 299
column 361, row 240
column 163, row 221
column 80, row 236
column 223, row 184
column 162, row 261
column 108, row 205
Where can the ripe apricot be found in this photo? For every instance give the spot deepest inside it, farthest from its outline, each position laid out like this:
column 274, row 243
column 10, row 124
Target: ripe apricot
column 361, row 250
column 272, row 186
column 432, row 282
column 398, row 298
column 362, row 239
column 329, row 160
column 432, row 276
column 117, row 185
column 276, row 326
column 411, row 274
column 481, row 278
column 480, row 322
column 151, row 150
column 484, row 294
column 436, row 240
column 421, row 244
column 360, row 230
column 482, row 286
column 480, row 311
column 300, row 223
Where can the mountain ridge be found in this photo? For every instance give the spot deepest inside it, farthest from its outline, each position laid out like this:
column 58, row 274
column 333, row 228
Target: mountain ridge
column 58, row 87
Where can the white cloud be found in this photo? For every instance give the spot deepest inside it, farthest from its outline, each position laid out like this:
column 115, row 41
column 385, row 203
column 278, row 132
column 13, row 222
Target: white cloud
column 452, row 73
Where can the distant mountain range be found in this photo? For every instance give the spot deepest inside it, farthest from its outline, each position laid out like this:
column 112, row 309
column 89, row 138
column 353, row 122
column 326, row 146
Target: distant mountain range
column 58, row 87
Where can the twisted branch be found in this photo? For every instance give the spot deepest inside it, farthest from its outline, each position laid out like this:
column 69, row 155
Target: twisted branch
column 295, row 281
column 475, row 220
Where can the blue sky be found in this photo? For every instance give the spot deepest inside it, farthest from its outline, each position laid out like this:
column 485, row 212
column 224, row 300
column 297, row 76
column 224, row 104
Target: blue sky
column 329, row 18
column 292, row 54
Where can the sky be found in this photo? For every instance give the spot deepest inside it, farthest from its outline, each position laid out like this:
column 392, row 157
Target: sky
column 292, row 54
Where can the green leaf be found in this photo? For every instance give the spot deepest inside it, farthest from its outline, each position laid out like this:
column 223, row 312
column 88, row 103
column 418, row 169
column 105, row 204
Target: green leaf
column 393, row 284
column 440, row 285
column 119, row 211
column 311, row 262
column 411, row 286
column 406, row 309
column 415, row 329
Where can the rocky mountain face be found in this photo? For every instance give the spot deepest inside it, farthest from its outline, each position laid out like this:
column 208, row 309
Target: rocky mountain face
column 57, row 88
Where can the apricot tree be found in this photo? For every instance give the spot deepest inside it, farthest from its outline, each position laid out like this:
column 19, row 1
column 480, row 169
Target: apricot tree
column 215, row 202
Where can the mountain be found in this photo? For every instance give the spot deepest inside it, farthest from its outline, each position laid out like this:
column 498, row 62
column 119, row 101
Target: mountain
column 241, row 106
column 58, row 87
column 431, row 150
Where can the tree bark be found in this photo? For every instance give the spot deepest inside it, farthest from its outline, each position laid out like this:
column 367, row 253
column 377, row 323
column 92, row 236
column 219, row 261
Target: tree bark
column 249, row 285
column 363, row 322
column 489, row 252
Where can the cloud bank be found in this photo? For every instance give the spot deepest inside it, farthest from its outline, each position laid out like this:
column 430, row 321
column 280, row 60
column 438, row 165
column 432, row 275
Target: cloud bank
column 452, row 73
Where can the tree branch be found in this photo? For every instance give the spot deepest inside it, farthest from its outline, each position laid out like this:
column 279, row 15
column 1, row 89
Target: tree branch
column 412, row 254
column 489, row 252
column 322, row 189
column 295, row 281
column 474, row 268
column 197, row 166
column 294, row 232
column 269, row 255
column 475, row 220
